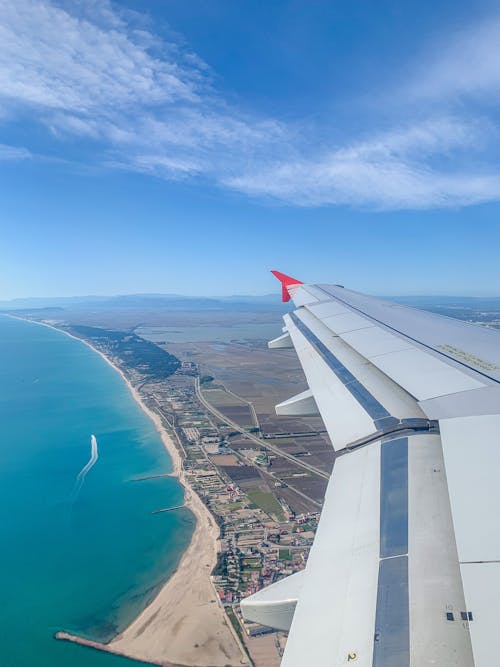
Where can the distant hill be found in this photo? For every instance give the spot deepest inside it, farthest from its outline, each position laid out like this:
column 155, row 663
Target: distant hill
column 463, row 307
column 475, row 302
column 146, row 301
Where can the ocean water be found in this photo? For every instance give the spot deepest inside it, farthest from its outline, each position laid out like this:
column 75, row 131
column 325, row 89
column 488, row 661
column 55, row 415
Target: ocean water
column 86, row 559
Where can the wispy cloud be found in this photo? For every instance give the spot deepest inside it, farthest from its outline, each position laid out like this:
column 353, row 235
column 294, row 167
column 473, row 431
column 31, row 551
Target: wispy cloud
column 465, row 63
column 388, row 171
column 92, row 75
column 147, row 104
column 14, row 153
column 52, row 59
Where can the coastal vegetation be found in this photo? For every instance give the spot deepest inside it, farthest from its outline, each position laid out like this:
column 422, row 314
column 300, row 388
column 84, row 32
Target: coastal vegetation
column 153, row 362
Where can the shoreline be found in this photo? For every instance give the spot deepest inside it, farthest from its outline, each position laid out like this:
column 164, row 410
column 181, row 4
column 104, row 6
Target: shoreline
column 184, row 624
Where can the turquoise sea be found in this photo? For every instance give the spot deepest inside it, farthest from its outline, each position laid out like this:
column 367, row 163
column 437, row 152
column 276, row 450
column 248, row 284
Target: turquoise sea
column 86, row 563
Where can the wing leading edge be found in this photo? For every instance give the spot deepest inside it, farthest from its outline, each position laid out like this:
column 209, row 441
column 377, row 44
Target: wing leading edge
column 405, row 566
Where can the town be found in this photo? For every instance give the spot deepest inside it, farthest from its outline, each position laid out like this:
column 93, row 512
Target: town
column 258, row 497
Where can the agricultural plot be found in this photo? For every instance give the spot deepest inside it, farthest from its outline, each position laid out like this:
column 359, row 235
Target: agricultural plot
column 224, row 460
column 267, row 502
column 231, row 406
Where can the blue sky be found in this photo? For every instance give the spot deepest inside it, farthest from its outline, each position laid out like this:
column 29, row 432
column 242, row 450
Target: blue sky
column 191, row 146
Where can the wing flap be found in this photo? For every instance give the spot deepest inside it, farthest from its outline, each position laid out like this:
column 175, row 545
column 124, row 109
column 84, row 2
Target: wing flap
column 471, row 447
column 335, row 614
column 482, row 592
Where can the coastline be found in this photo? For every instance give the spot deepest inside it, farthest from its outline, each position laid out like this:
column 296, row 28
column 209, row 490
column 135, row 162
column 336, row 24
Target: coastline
column 185, row 623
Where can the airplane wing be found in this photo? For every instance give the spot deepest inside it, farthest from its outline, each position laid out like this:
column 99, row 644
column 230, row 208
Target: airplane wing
column 405, row 567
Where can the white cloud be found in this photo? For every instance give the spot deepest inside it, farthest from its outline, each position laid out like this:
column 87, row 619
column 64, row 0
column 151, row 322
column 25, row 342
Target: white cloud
column 85, row 70
column 387, row 171
column 465, row 63
column 14, row 153
column 390, row 185
column 436, row 136
column 149, row 103
column 50, row 58
column 159, row 165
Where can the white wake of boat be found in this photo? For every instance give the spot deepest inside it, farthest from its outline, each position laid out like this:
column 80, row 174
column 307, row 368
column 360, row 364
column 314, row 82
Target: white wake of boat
column 94, row 455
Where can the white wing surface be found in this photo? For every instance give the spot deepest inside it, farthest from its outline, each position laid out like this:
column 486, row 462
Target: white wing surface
column 405, row 567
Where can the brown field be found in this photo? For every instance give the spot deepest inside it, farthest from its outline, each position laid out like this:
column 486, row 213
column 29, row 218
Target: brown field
column 263, row 377
column 240, row 414
column 224, row 460
column 241, row 474
column 220, row 398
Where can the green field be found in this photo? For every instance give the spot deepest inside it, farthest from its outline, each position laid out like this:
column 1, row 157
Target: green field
column 267, row 502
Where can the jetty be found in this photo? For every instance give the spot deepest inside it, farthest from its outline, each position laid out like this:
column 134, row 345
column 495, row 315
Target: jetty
column 143, row 479
column 168, row 509
column 99, row 646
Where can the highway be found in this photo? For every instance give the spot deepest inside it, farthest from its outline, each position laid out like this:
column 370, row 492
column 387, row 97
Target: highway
column 251, row 436
column 275, row 478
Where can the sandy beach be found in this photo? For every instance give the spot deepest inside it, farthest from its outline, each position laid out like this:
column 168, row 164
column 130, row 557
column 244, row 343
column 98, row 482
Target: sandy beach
column 185, row 624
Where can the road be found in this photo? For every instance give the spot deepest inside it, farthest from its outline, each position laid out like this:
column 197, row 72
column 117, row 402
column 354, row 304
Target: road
column 251, row 436
column 274, row 478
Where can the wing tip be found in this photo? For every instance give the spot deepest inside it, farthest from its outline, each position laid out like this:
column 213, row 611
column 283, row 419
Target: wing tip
column 286, row 282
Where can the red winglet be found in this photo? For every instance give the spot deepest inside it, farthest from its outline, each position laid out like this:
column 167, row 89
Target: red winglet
column 286, row 282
